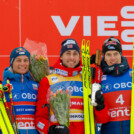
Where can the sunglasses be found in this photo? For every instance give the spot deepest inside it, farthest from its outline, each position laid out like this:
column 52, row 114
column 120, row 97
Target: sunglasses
column 111, row 39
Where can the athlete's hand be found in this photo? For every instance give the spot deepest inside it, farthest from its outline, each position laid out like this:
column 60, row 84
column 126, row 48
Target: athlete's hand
column 99, row 99
column 60, row 129
column 7, row 88
column 92, row 59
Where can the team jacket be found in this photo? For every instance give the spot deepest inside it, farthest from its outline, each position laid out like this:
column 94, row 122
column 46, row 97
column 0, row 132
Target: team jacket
column 24, row 97
column 117, row 94
column 63, row 78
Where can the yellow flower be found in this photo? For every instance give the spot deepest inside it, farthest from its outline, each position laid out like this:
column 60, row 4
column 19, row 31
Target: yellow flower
column 42, row 57
column 54, row 95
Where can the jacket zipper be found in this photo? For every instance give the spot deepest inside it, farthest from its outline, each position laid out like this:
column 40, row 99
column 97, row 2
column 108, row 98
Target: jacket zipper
column 121, row 127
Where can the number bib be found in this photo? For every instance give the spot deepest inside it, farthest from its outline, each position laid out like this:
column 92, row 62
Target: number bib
column 117, row 94
column 119, row 104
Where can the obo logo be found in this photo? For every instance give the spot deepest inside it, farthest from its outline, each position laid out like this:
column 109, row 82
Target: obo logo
column 75, row 89
column 29, row 96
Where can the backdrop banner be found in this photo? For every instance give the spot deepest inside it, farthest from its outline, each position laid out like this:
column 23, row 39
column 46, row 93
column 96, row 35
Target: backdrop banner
column 51, row 21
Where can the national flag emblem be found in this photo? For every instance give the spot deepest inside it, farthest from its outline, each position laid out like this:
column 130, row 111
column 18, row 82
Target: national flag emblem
column 69, row 46
column 130, row 73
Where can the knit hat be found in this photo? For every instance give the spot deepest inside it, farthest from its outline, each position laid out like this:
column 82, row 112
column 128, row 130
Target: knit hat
column 18, row 52
column 111, row 44
column 69, row 44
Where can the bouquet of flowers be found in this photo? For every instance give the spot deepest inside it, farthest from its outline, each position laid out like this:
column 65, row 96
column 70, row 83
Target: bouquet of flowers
column 60, row 104
column 39, row 67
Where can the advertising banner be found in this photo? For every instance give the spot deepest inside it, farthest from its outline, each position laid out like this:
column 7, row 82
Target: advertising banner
column 52, row 21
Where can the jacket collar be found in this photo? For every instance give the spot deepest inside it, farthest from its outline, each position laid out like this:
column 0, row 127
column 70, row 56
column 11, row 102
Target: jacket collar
column 64, row 71
column 8, row 73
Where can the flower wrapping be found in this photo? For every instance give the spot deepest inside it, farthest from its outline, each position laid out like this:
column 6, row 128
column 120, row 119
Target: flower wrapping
column 60, row 104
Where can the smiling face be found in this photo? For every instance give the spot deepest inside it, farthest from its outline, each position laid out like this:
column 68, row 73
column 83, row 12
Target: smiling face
column 112, row 57
column 70, row 58
column 21, row 64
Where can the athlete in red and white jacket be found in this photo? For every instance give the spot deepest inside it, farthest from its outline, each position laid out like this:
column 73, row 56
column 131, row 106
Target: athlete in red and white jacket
column 66, row 76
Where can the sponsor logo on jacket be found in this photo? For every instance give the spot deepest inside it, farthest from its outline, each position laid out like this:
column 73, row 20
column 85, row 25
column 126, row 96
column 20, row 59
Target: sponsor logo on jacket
column 116, row 86
column 104, row 77
column 35, row 86
column 29, row 96
column 61, row 72
column 54, row 79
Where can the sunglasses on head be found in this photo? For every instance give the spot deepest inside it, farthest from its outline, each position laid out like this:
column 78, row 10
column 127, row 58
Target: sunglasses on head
column 111, row 39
